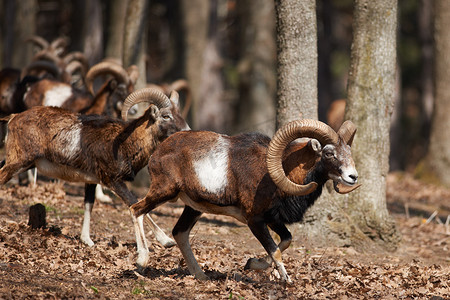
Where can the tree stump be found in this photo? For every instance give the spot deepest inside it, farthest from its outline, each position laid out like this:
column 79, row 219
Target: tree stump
column 37, row 216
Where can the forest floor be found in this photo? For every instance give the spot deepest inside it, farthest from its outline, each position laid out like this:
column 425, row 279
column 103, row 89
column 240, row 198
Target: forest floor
column 52, row 263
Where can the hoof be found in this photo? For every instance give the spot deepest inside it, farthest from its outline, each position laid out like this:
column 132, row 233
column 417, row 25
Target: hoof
column 202, row 276
column 256, row 264
column 169, row 243
column 87, row 241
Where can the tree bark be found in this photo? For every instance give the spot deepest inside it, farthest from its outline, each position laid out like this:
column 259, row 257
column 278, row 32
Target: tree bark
column 257, row 79
column 297, row 60
column 436, row 165
column 134, row 39
column 195, row 19
column 115, row 29
column 20, row 24
column 93, row 31
column 361, row 216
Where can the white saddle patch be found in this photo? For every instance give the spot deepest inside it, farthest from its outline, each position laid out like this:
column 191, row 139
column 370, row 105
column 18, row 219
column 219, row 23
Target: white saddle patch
column 57, row 96
column 211, row 168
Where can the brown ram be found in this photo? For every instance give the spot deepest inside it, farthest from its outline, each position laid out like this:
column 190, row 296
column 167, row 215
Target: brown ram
column 244, row 177
column 93, row 149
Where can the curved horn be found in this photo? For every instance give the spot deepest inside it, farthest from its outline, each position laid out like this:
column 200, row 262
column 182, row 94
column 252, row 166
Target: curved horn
column 74, row 66
column 42, row 65
column 347, row 132
column 47, row 55
column 151, row 95
column 58, row 45
column 179, row 85
column 285, row 135
column 104, row 67
column 38, row 41
column 344, row 189
column 77, row 56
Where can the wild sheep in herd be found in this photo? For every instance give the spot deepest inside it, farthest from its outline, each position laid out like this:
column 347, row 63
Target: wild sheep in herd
column 244, row 177
column 93, row 149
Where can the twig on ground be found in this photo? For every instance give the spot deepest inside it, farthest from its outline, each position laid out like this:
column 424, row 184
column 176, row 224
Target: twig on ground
column 407, row 210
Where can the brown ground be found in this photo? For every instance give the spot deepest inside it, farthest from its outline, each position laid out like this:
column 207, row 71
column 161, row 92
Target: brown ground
column 53, row 263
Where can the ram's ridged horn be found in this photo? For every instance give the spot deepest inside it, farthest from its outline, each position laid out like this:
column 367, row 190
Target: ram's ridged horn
column 42, row 65
column 74, row 66
column 38, row 41
column 77, row 56
column 47, row 55
column 344, row 189
column 150, row 95
column 347, row 132
column 101, row 68
column 59, row 45
column 282, row 138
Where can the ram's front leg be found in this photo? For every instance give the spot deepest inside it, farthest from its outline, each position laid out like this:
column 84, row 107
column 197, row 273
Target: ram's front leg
column 265, row 262
column 89, row 198
column 261, row 232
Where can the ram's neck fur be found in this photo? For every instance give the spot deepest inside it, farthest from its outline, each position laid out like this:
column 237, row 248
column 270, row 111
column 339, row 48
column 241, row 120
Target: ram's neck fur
column 302, row 166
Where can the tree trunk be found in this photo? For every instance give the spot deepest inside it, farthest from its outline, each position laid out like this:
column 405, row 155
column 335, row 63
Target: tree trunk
column 325, row 47
column 115, row 29
column 297, row 60
column 426, row 46
column 195, row 17
column 20, row 24
column 257, row 79
column 93, row 31
column 361, row 216
column 134, row 39
column 436, row 165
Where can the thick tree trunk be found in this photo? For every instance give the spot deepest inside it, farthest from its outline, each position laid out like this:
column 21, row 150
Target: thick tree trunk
column 195, row 19
column 297, row 60
column 257, row 79
column 436, row 167
column 425, row 14
column 115, row 28
column 93, row 31
column 357, row 218
column 20, row 24
column 371, row 94
column 134, row 39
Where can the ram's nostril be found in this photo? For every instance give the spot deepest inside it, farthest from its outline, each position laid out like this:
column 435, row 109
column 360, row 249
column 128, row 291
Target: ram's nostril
column 354, row 177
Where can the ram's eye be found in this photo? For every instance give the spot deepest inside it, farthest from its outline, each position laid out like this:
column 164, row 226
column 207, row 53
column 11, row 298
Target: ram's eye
column 329, row 154
column 166, row 117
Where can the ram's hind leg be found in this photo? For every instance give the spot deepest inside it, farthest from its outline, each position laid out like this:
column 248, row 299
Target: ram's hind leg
column 181, row 232
column 155, row 197
column 160, row 235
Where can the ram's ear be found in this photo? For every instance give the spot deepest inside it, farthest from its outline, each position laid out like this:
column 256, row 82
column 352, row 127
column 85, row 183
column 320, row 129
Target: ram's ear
column 154, row 112
column 315, row 146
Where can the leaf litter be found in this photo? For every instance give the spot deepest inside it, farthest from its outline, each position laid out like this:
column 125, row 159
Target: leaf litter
column 52, row 263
